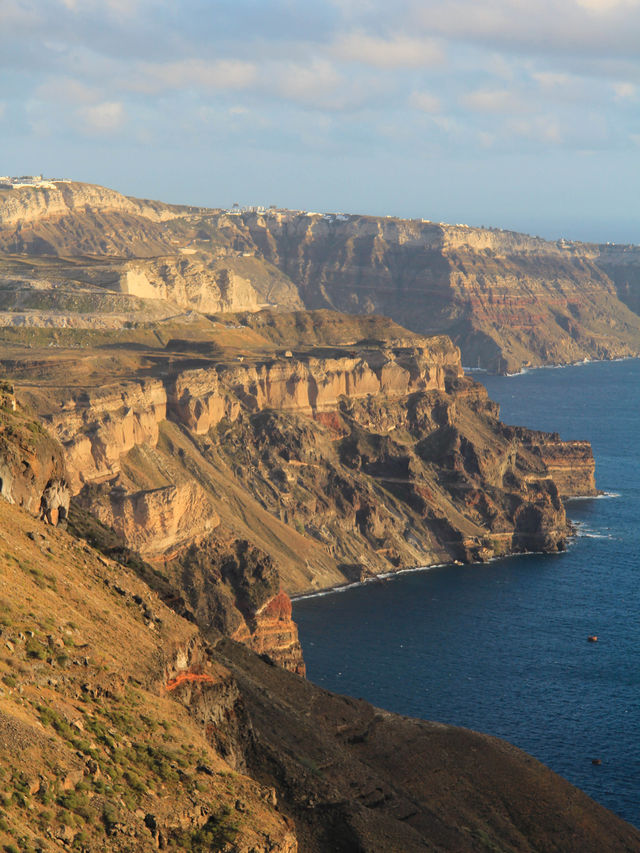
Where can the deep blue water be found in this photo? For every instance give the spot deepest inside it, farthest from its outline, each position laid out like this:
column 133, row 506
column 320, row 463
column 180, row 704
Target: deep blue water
column 502, row 648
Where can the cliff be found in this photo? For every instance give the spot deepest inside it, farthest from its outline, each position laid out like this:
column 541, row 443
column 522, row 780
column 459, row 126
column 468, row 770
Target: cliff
column 621, row 263
column 367, row 454
column 32, row 466
column 570, row 463
column 242, row 479
column 508, row 300
column 71, row 218
column 121, row 727
column 209, row 285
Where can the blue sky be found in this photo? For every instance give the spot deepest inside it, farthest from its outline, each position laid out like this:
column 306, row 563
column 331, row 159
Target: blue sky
column 503, row 112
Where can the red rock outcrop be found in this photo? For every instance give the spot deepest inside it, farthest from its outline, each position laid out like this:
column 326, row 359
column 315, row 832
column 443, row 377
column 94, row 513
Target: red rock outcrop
column 570, row 464
column 275, row 634
column 232, row 588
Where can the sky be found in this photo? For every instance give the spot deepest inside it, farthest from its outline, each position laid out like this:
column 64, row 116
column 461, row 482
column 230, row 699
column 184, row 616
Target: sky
column 509, row 113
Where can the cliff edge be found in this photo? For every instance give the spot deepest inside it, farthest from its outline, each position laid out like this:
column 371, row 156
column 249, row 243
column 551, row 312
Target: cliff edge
column 507, row 300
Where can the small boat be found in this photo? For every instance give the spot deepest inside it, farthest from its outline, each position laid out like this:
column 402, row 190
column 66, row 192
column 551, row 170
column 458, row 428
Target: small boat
column 592, row 639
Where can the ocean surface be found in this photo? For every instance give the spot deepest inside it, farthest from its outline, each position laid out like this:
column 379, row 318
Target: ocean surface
column 502, row 647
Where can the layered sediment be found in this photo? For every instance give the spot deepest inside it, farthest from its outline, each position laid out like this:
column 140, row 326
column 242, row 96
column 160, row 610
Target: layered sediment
column 507, row 299
column 229, row 462
column 370, row 456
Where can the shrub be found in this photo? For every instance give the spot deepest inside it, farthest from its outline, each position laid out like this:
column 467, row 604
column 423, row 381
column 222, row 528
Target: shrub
column 35, row 650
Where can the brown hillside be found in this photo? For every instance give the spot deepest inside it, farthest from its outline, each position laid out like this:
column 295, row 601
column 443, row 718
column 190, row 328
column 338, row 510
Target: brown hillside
column 121, row 728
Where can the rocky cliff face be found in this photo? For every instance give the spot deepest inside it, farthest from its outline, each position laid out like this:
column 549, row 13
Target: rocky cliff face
column 250, row 478
column 233, row 589
column 309, row 385
column 507, row 299
column 570, row 463
column 32, row 467
column 33, row 204
column 210, row 286
column 378, row 456
column 622, row 265
column 97, row 427
column 72, row 218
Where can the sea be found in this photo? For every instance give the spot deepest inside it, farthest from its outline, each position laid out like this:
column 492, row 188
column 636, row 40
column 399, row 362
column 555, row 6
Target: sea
column 503, row 647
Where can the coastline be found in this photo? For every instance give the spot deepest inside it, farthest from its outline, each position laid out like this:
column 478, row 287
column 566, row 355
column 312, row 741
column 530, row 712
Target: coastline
column 388, row 576
column 583, row 362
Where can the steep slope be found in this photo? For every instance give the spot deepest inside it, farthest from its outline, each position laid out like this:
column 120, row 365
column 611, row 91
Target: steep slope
column 506, row 299
column 32, row 468
column 101, row 747
column 622, row 264
column 354, row 777
column 368, row 453
column 121, row 729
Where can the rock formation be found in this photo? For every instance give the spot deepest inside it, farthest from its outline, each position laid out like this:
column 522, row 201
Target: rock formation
column 369, row 454
column 219, row 464
column 362, row 450
column 210, row 286
column 507, row 299
column 32, row 467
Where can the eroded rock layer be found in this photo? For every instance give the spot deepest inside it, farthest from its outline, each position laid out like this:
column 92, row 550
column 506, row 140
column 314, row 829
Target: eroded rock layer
column 507, row 299
column 340, row 460
column 32, row 466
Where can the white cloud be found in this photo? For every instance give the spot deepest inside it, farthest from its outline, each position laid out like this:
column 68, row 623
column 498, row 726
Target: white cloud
column 624, row 91
column 490, row 101
column 538, row 129
column 552, row 79
column 198, row 73
column 425, row 101
column 397, row 52
column 565, row 29
column 105, row 117
column 446, row 123
column 318, row 84
column 65, row 89
column 486, row 140
column 604, row 7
